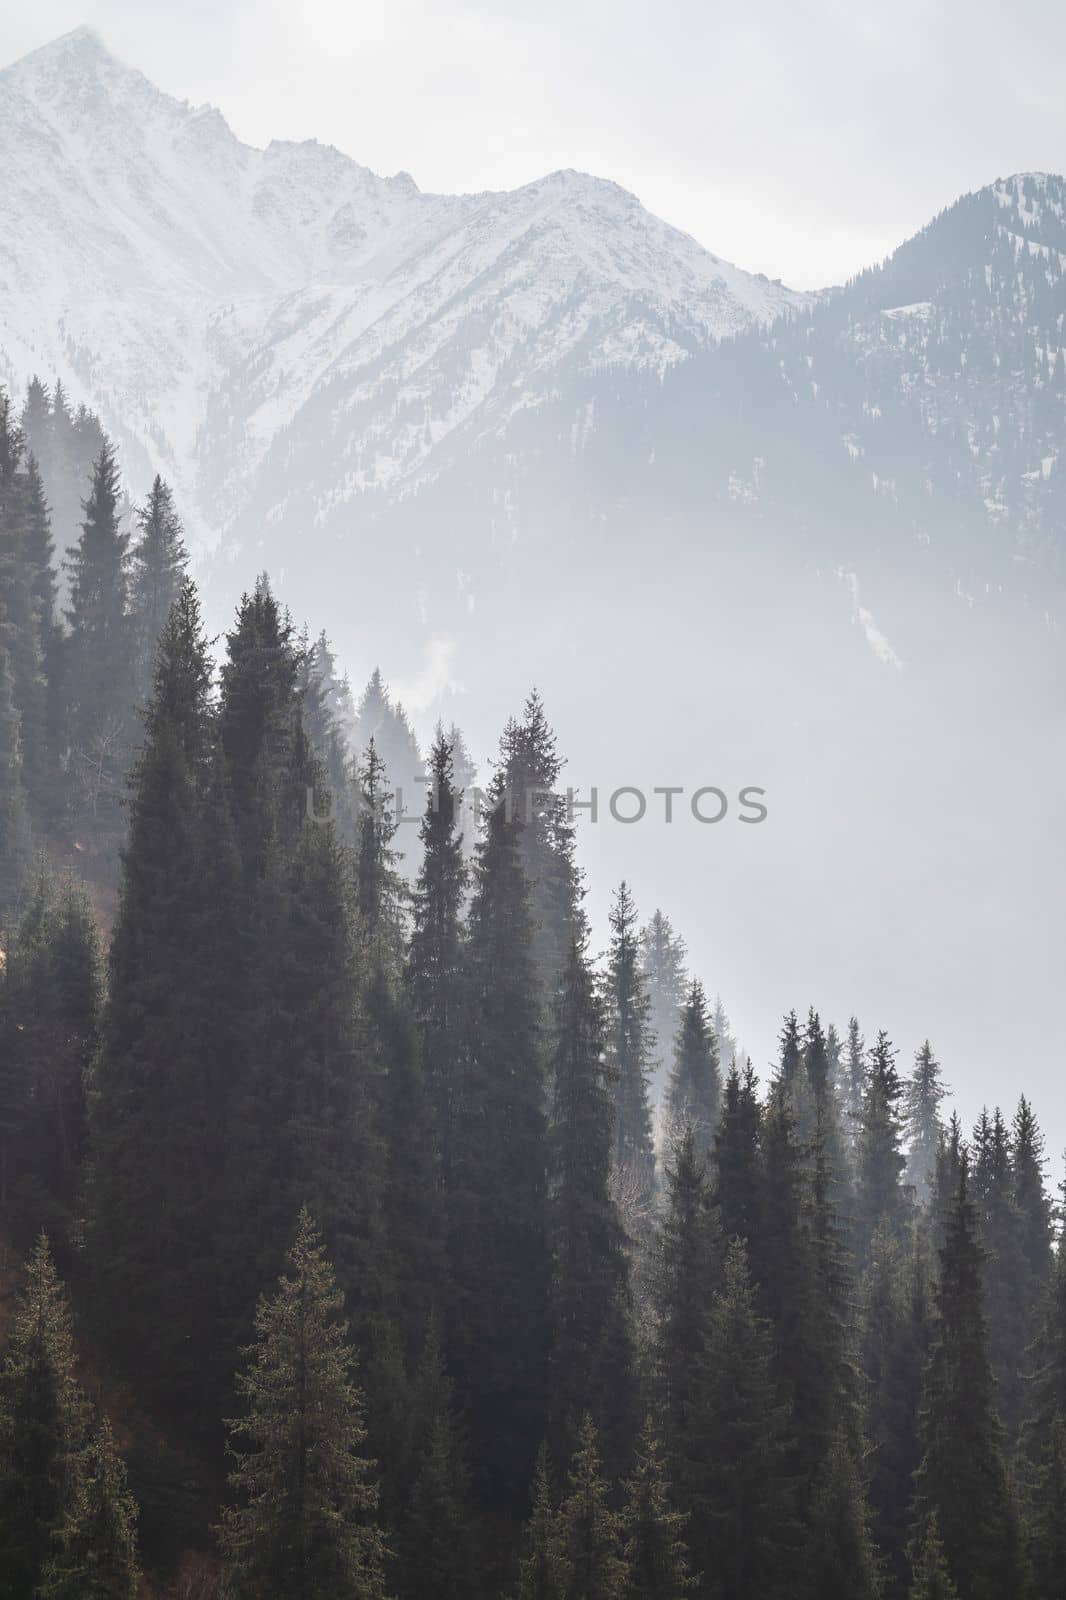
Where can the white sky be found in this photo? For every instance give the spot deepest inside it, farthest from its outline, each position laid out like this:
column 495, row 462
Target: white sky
column 803, row 140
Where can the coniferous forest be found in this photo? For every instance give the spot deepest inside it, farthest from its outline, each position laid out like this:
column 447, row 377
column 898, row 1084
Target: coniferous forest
column 373, row 1226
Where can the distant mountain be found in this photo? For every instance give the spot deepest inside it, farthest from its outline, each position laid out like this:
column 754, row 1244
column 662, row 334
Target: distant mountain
column 209, row 298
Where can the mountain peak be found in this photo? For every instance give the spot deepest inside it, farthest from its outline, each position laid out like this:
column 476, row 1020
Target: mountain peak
column 81, row 44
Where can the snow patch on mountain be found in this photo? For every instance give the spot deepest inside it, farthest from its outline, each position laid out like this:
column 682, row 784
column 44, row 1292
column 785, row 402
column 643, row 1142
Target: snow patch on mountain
column 201, row 294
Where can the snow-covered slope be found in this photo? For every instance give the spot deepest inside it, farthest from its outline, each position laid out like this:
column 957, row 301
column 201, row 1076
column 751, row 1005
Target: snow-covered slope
column 201, row 294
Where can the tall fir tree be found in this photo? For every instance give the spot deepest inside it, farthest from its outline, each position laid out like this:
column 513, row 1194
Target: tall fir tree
column 528, row 771
column 962, row 1478
column 591, row 1367
column 95, row 1554
column 497, row 1225
column 438, row 1559
column 49, row 1019
column 435, row 954
column 653, row 1533
column 628, row 1045
column 43, row 1423
column 687, row 1274
column 923, row 1094
column 590, row 1532
column 303, row 1519
column 738, row 1160
column 932, row 1578
column 741, row 1499
column 880, row 1159
column 167, row 1064
column 840, row 1562
column 99, row 666
column 158, row 560
column 663, row 956
column 695, row 1093
column 1007, row 1303
column 895, row 1337
column 543, row 1568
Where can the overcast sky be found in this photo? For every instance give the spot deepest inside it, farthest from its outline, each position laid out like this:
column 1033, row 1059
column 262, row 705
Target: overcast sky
column 801, row 140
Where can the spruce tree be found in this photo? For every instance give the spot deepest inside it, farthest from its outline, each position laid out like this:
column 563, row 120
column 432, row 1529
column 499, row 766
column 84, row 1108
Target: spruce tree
column 543, row 1570
column 303, row 1521
column 157, row 573
column 48, row 1027
column 923, row 1095
column 854, row 1083
column 168, row 1063
column 43, row 1422
column 839, row 1560
column 591, row 1349
column 1032, row 1206
column 653, row 1543
column 932, row 1578
column 628, row 1049
column 497, row 1224
column 99, row 652
column 695, row 1092
column 895, row 1338
column 738, row 1189
column 590, row 1533
column 962, row 1477
column 1007, row 1303
column 880, row 1160
column 687, row 1273
column 269, row 763
column 437, row 1559
column 435, row 953
column 15, row 838
column 95, row 1556
column 662, row 953
column 743, row 1530
column 528, row 770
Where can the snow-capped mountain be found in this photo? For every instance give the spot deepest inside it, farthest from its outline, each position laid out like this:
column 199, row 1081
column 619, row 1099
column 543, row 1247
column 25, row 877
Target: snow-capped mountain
column 204, row 296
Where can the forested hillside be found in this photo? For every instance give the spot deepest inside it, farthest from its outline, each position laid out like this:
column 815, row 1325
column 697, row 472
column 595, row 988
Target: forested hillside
column 368, row 1231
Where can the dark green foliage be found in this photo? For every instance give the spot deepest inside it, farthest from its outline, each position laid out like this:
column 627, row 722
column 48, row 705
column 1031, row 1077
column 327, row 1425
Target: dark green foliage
column 738, row 1488
column 434, row 960
column 1008, row 1298
column 377, row 720
column 653, row 1544
column 161, row 1084
column 49, row 1014
column 95, row 1555
column 99, row 659
column 590, row 1533
column 303, row 1519
column 839, row 1561
column 880, row 1160
column 962, row 1476
column 932, row 1578
column 591, row 1346
column 529, row 768
column 43, row 1420
column 1042, row 1454
column 738, row 1191
column 687, row 1273
column 269, row 764
column 497, row 1248
column 895, row 1343
column 542, row 1572
column 15, row 838
column 628, row 1044
column 662, row 954
column 437, row 1559
column 923, row 1095
column 695, row 1092
column 157, row 573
